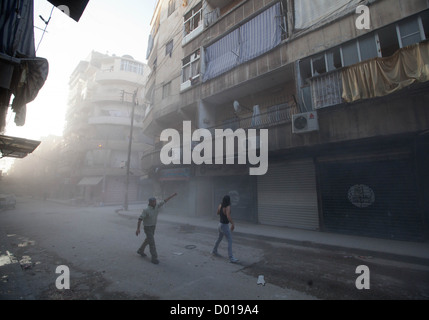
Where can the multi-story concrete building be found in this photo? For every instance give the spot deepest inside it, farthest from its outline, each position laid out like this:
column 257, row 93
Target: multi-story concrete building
column 342, row 90
column 105, row 91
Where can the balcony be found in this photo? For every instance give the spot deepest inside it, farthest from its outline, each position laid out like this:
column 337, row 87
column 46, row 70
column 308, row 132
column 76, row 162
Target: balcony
column 327, row 90
column 218, row 3
column 120, row 76
column 122, row 121
column 276, row 115
column 101, row 171
column 377, row 77
column 120, row 145
column 111, row 96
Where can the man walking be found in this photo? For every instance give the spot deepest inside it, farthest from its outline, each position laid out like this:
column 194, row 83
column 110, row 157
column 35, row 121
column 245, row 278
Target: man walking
column 149, row 217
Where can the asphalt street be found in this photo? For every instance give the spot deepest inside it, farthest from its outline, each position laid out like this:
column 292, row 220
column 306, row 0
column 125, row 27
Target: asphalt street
column 98, row 246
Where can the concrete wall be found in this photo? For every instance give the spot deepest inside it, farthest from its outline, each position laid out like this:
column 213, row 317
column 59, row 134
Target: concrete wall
column 388, row 116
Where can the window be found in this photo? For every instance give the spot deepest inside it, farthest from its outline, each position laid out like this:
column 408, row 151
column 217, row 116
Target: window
column 169, row 48
column 425, row 23
column 388, row 41
column 319, row 65
column 131, row 66
column 410, row 32
column 305, row 69
column 166, row 90
column 149, row 46
column 333, row 59
column 193, row 19
column 368, row 47
column 283, row 25
column 350, row 53
column 191, row 67
column 171, row 6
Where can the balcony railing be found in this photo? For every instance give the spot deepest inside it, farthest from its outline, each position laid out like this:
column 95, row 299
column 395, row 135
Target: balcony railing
column 124, row 121
column 120, row 76
column 275, row 116
column 327, row 90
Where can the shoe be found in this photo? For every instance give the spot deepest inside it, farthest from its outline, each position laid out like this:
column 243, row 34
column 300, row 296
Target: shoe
column 215, row 254
column 141, row 253
column 233, row 260
column 155, row 261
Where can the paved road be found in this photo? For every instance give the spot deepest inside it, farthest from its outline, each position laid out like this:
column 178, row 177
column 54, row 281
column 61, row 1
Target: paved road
column 99, row 247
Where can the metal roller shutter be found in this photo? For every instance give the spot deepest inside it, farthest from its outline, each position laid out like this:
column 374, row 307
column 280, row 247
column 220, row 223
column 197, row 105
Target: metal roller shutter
column 287, row 196
column 241, row 189
column 115, row 190
column 371, row 198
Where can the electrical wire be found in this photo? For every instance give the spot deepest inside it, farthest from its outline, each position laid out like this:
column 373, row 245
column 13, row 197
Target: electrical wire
column 46, row 27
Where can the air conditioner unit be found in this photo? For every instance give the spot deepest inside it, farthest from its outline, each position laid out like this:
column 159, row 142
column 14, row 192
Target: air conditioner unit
column 305, row 122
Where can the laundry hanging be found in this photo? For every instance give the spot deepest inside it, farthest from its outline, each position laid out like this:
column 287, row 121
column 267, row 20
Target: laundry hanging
column 382, row 76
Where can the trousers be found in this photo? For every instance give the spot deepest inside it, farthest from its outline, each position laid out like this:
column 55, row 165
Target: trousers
column 149, row 241
column 224, row 231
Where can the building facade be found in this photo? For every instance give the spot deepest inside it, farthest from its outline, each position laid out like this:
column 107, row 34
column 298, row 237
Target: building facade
column 105, row 99
column 341, row 89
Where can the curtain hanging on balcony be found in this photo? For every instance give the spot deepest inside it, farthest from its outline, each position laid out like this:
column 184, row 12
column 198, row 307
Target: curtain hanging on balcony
column 254, row 38
column 310, row 12
column 261, row 34
column 222, row 56
column 382, row 76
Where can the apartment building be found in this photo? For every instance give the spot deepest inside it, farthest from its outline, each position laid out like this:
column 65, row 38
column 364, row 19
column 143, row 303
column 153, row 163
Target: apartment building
column 105, row 98
column 341, row 89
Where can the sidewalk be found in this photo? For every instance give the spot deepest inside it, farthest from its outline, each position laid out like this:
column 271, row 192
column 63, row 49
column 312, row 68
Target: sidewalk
column 408, row 251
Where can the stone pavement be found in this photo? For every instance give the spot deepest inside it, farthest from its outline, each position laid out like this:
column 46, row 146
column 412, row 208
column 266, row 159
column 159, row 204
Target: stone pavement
column 417, row 252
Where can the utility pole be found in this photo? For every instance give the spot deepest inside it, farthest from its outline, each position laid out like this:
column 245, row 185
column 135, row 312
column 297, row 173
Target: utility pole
column 134, row 102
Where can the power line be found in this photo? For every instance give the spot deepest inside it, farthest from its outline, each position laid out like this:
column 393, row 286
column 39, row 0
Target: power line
column 46, row 26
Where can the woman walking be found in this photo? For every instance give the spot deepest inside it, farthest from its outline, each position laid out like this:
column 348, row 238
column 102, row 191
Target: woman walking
column 224, row 211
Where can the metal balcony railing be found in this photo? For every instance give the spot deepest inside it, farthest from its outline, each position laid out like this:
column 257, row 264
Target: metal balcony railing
column 274, row 116
column 327, row 89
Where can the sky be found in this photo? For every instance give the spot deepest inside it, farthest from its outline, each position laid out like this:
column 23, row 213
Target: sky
column 107, row 26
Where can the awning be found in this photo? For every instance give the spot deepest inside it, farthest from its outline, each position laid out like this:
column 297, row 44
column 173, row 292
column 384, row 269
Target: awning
column 73, row 8
column 16, row 147
column 90, row 181
column 178, row 174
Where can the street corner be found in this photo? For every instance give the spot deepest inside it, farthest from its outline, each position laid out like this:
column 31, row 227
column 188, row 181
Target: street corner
column 131, row 213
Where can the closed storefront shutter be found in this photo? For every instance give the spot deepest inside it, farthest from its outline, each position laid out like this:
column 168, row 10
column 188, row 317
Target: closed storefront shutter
column 241, row 190
column 371, row 198
column 115, row 190
column 287, row 195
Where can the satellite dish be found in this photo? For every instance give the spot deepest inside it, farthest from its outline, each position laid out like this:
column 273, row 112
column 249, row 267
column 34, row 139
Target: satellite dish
column 237, row 106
